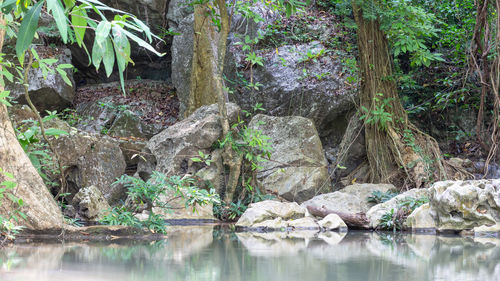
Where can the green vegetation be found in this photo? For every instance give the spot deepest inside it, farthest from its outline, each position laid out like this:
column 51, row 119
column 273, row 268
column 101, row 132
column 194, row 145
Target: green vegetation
column 395, row 218
column 378, row 197
column 9, row 225
column 155, row 195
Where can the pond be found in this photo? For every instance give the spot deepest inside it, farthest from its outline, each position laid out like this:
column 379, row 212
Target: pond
column 208, row 253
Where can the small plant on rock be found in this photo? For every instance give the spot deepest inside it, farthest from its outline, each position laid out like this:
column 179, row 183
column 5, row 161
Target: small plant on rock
column 378, row 197
column 396, row 217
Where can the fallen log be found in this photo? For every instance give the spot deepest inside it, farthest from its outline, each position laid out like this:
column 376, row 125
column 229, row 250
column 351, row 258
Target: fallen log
column 358, row 220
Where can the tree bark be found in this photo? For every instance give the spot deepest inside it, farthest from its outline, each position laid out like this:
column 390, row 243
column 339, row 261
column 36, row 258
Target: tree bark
column 207, row 85
column 40, row 208
column 204, row 71
column 397, row 151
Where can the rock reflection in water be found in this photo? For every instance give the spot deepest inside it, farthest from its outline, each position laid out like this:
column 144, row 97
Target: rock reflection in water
column 201, row 253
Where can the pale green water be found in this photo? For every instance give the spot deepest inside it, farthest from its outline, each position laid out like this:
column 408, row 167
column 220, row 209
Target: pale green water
column 200, row 253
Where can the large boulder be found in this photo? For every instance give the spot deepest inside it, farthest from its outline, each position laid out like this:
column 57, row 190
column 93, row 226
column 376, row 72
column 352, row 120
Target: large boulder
column 459, row 205
column 298, row 168
column 290, row 86
column 50, row 92
column 376, row 212
column 275, row 215
column 90, row 203
column 91, row 160
column 173, row 148
column 352, row 199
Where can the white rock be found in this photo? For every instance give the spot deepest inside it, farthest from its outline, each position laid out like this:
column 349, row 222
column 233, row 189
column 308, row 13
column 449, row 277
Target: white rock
column 332, row 222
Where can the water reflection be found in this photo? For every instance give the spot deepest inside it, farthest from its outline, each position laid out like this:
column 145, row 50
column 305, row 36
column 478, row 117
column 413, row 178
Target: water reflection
column 201, row 253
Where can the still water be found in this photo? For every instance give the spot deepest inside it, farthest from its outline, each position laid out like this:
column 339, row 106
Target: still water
column 207, row 253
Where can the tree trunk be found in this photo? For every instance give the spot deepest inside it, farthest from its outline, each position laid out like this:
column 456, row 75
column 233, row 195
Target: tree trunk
column 40, row 208
column 396, row 150
column 204, row 71
column 207, row 85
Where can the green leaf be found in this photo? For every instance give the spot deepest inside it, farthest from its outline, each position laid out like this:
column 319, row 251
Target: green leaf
column 58, row 12
column 69, row 4
column 144, row 28
column 109, row 58
column 64, row 76
column 122, row 50
column 79, row 22
column 97, row 55
column 142, row 43
column 7, row 6
column 4, row 94
column 55, row 132
column 27, row 30
column 102, row 32
column 65, row 66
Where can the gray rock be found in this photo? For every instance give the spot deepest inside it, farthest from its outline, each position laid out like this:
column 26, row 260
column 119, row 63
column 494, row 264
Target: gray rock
column 103, row 116
column 175, row 146
column 483, row 230
column 90, row 203
column 180, row 20
column 50, row 93
column 352, row 199
column 91, row 161
column 305, row 223
column 286, row 90
column 298, row 168
column 421, row 219
column 461, row 205
column 69, row 211
column 128, row 124
column 151, row 12
column 376, row 212
column 352, row 149
column 276, row 215
column 97, row 115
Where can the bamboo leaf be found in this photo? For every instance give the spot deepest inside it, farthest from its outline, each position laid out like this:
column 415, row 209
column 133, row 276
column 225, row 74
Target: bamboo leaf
column 27, row 30
column 142, row 43
column 79, row 22
column 102, row 32
column 58, row 12
column 109, row 57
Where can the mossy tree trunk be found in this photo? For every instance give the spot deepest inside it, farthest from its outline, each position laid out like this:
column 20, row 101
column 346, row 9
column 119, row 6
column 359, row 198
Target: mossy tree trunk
column 204, row 88
column 397, row 151
column 207, row 85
